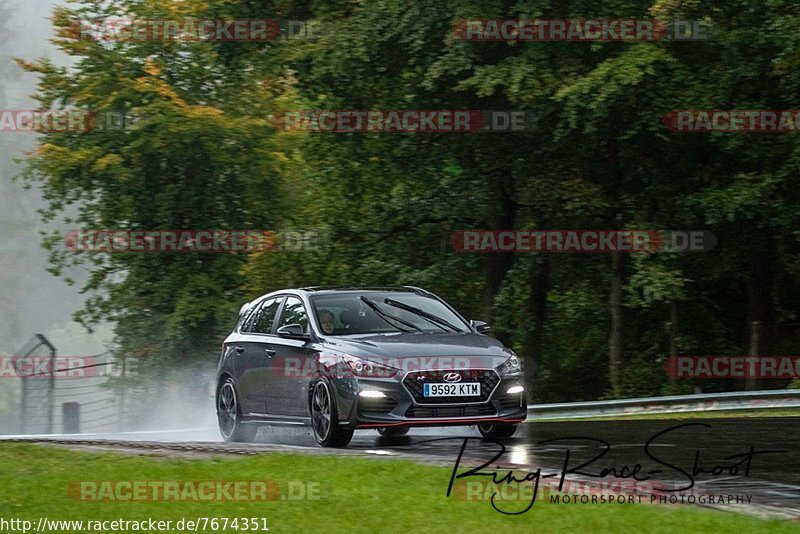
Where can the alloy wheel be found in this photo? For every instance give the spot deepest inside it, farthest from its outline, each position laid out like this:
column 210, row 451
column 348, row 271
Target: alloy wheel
column 321, row 410
column 227, row 410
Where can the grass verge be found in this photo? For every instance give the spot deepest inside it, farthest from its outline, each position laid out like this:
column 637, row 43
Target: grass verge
column 355, row 495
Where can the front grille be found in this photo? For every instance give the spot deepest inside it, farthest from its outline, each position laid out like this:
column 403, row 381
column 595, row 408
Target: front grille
column 449, row 412
column 382, row 405
column 415, row 381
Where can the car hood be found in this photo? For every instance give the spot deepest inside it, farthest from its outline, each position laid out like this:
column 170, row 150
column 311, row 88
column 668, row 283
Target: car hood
column 486, row 351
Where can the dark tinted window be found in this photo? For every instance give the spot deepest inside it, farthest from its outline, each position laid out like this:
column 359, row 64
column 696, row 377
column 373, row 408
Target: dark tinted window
column 244, row 318
column 294, row 313
column 353, row 316
column 261, row 323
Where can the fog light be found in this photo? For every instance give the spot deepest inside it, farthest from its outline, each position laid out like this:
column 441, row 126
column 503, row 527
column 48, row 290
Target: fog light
column 515, row 389
column 371, row 394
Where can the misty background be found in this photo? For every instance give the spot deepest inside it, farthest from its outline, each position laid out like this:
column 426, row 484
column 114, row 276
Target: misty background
column 587, row 327
column 34, row 301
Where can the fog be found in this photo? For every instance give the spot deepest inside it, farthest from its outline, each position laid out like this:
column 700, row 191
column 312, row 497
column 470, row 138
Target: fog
column 35, row 301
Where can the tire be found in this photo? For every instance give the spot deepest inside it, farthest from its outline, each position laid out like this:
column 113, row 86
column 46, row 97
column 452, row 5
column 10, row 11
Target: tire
column 229, row 415
column 497, row 431
column 393, row 432
column 325, row 417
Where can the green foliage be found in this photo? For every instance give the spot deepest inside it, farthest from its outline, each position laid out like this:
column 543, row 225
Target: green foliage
column 206, row 156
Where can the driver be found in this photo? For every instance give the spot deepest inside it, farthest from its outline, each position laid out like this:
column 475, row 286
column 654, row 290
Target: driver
column 326, row 321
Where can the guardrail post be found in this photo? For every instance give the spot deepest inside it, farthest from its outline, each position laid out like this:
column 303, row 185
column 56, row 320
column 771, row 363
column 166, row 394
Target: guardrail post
column 71, row 417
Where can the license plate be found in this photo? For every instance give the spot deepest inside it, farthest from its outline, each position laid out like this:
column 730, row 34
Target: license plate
column 467, row 389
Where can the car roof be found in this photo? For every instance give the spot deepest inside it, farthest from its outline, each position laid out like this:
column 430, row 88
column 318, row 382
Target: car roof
column 331, row 290
column 345, row 289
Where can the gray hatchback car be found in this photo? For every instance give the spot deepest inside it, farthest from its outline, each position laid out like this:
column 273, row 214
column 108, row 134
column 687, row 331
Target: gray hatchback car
column 342, row 359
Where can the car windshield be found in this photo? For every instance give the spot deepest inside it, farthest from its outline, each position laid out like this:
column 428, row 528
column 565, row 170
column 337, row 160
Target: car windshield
column 370, row 312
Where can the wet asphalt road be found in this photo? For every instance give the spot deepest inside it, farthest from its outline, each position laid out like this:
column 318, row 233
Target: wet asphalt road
column 715, row 453
column 720, row 447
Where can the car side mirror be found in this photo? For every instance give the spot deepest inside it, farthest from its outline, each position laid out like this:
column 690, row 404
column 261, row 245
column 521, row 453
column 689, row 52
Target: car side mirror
column 292, row 330
column 481, row 326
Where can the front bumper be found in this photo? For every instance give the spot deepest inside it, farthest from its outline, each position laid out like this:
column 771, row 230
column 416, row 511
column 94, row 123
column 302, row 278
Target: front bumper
column 400, row 407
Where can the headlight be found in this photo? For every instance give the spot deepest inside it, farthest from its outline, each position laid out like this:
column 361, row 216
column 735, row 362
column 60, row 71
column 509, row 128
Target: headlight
column 510, row 367
column 367, row 369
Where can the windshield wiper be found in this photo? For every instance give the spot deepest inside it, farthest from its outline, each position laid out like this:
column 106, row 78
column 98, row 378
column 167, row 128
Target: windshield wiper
column 388, row 318
column 438, row 321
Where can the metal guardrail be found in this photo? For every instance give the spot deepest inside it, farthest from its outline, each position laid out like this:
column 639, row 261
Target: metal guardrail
column 704, row 402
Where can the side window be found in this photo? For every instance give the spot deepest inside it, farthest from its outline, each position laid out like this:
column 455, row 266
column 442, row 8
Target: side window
column 243, row 324
column 262, row 320
column 294, row 313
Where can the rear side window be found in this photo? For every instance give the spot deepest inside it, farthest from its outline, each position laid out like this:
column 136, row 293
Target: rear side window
column 244, row 318
column 262, row 320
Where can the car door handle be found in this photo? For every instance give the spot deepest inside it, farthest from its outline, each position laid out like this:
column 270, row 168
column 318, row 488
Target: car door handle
column 239, row 349
column 269, row 352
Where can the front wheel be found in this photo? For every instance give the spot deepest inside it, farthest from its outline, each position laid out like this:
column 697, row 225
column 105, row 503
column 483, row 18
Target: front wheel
column 229, row 415
column 325, row 417
column 497, row 431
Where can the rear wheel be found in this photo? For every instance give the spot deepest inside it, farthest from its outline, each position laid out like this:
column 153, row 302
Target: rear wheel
column 497, row 431
column 325, row 417
column 229, row 415
column 393, row 432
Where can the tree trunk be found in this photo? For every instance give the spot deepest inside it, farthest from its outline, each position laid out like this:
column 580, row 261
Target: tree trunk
column 751, row 382
column 532, row 343
column 616, row 345
column 498, row 263
column 673, row 337
column 760, row 309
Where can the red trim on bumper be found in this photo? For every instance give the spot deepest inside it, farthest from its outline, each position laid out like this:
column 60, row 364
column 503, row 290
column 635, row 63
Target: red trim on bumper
column 426, row 422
